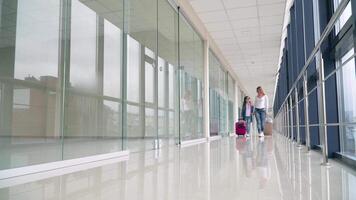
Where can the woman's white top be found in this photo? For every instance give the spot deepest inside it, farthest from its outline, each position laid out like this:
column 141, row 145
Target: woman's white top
column 261, row 102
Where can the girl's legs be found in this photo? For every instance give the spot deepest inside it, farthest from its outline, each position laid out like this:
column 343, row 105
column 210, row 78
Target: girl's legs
column 248, row 124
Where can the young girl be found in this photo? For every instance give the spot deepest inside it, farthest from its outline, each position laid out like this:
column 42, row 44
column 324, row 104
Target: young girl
column 246, row 113
column 261, row 107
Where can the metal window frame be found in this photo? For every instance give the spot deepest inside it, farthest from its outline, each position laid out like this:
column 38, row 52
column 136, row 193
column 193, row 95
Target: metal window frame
column 320, row 68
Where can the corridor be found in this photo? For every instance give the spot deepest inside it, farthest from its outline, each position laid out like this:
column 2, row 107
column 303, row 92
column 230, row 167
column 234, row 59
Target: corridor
column 231, row 168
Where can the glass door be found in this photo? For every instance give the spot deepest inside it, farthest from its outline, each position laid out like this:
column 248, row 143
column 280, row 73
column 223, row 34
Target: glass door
column 167, row 73
column 149, row 107
column 140, row 107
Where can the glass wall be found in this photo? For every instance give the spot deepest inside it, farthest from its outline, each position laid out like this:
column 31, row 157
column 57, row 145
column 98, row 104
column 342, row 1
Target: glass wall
column 59, row 102
column 338, row 63
column 218, row 97
column 346, row 14
column 241, row 100
column 191, row 82
column 167, row 72
column 347, row 106
column 31, row 83
column 92, row 119
column 231, row 104
column 142, row 124
column 77, row 80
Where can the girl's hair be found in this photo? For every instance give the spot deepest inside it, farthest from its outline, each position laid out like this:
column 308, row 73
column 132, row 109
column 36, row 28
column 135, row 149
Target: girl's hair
column 245, row 100
column 259, row 87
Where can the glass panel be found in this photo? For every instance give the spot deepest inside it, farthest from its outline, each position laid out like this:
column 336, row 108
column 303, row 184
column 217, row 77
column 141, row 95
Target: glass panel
column 141, row 18
column 92, row 114
column 172, row 128
column 150, row 124
column 218, row 99
column 149, row 82
column 347, row 81
column 223, row 104
column 112, row 60
column 191, row 51
column 172, row 86
column 133, row 70
column 231, row 103
column 346, row 14
column 134, row 139
column 162, row 83
column 30, row 83
column 162, row 125
column 83, row 48
column 167, row 65
column 200, row 108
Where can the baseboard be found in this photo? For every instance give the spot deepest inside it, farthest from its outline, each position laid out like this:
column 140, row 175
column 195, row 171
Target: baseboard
column 193, row 142
column 345, row 159
column 214, row 138
column 62, row 166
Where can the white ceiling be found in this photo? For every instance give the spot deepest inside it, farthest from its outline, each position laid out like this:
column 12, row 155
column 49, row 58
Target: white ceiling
column 248, row 32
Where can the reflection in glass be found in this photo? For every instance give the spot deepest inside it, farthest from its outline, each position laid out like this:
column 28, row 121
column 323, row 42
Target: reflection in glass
column 218, row 97
column 92, row 112
column 133, row 69
column 167, row 65
column 83, row 47
column 112, row 60
column 231, row 104
column 141, row 73
column 162, row 125
column 134, row 128
column 172, row 88
column 346, row 14
column 162, row 83
column 30, row 83
column 191, row 51
column 347, row 81
column 149, row 83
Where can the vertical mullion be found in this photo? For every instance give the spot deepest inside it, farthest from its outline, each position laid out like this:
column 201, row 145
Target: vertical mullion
column 142, row 91
column 64, row 64
column 156, row 81
column 291, row 121
column 166, row 99
column 100, row 72
column 226, row 103
column 124, row 76
column 179, row 84
column 341, row 109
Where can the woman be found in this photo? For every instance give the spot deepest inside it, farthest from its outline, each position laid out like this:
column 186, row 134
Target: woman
column 246, row 113
column 261, row 107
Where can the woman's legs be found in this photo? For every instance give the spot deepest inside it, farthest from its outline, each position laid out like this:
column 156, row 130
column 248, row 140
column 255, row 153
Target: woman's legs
column 263, row 120
column 258, row 120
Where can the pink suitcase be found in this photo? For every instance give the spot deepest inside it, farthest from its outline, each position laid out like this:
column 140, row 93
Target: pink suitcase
column 240, row 128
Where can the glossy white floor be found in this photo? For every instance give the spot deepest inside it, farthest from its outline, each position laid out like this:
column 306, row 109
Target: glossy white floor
column 230, row 168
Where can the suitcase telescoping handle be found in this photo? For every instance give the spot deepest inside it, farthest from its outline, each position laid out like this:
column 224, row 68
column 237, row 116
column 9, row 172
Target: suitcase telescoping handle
column 241, row 126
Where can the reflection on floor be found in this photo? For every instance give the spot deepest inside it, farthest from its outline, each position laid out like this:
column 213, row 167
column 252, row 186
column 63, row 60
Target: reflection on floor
column 269, row 168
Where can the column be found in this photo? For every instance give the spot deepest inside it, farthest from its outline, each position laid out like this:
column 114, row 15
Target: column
column 206, row 110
